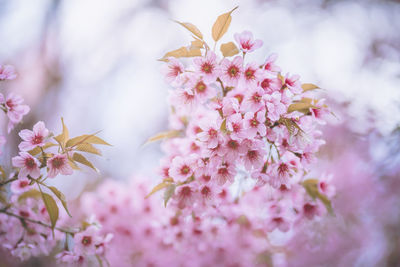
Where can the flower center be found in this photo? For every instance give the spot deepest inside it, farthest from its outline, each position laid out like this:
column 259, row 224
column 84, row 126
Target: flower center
column 212, row 133
column 37, row 139
column 207, row 68
column 200, row 87
column 205, row 191
column 265, row 83
column 233, row 144
column 57, row 163
column 256, row 98
column 254, row 122
column 233, row 71
column 185, row 169
column 249, row 74
column 252, row 154
column 30, row 163
column 86, row 240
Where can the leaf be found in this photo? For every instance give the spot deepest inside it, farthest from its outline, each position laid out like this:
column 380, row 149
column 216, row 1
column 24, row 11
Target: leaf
column 182, row 52
column 73, row 164
column 291, row 125
column 86, row 138
column 64, row 136
column 37, row 149
column 196, row 44
column 61, row 197
column 264, row 258
column 164, row 135
column 168, row 193
column 229, row 49
column 308, row 86
column 190, row 27
column 311, row 187
column 301, row 107
column 158, row 188
column 221, row 25
column 29, row 194
column 81, row 159
column 88, row 148
column 52, row 208
column 223, row 126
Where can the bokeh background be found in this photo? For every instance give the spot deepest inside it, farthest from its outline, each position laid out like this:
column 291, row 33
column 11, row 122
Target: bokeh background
column 94, row 62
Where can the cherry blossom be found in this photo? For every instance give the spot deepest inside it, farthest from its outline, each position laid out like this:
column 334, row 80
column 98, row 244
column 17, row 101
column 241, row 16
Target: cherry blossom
column 28, row 165
column 58, row 164
column 246, row 42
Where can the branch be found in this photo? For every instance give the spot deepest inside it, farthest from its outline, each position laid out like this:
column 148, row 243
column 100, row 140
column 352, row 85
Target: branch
column 8, row 181
column 37, row 222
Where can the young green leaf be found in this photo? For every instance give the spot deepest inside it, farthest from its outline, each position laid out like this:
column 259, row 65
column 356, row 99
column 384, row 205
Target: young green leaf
column 308, row 86
column 190, row 27
column 311, row 187
column 158, row 188
column 86, row 138
column 221, row 25
column 61, row 197
column 88, row 148
column 229, row 49
column 52, row 208
column 33, row 193
column 81, row 159
column 168, row 193
column 64, row 136
column 182, row 52
column 164, row 135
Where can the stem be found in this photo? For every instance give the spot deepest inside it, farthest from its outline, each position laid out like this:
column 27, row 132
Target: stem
column 37, row 222
column 222, row 85
column 8, row 181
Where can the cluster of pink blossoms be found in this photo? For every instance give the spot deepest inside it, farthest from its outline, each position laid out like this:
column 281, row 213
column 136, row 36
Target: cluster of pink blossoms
column 12, row 105
column 147, row 234
column 232, row 120
column 29, row 207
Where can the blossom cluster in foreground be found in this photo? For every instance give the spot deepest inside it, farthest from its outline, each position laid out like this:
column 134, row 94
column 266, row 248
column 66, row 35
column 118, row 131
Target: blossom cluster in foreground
column 30, row 208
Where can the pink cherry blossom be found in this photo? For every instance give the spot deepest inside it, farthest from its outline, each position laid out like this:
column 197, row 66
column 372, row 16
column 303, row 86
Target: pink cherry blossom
column 254, row 100
column 58, row 164
column 246, row 42
column 231, row 71
column 271, row 84
column 224, row 172
column 275, row 108
column 207, row 67
column 85, row 242
column 20, row 186
column 201, row 89
column 254, row 154
column 7, row 72
column 173, row 69
column 270, row 65
column 293, row 83
column 181, row 168
column 15, row 109
column 28, row 165
column 34, row 138
column 234, row 124
column 252, row 74
column 210, row 133
column 254, row 123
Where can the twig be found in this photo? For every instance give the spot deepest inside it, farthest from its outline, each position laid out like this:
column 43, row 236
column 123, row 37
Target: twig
column 8, row 181
column 36, row 222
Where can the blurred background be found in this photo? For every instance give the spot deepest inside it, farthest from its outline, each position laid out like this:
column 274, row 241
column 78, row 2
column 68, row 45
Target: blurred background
column 94, row 62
